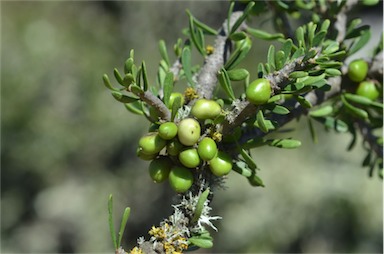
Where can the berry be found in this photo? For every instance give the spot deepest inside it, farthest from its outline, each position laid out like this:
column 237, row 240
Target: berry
column 159, row 169
column 357, row 70
column 206, row 109
column 368, row 89
column 168, row 130
column 207, row 149
column 180, row 179
column 151, row 143
column 189, row 158
column 259, row 91
column 146, row 157
column 221, row 164
column 174, row 147
column 188, row 131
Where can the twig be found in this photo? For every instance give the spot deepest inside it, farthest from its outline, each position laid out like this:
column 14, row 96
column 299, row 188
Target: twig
column 207, row 76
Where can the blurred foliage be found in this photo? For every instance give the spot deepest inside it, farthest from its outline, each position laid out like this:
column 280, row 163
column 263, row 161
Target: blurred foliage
column 66, row 144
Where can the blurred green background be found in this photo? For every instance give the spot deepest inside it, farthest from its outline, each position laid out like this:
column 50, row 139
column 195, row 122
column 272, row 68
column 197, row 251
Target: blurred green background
column 67, row 144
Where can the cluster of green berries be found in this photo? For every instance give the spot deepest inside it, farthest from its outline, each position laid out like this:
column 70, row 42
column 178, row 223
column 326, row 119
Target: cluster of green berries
column 178, row 150
column 357, row 72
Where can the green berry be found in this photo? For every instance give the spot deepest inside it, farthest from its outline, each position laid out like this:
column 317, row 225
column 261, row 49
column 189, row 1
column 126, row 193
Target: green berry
column 180, row 179
column 357, row 70
column 370, row 2
column 368, row 89
column 189, row 158
column 146, row 157
column 207, row 149
column 168, row 130
column 174, row 147
column 159, row 169
column 221, row 164
column 151, row 143
column 206, row 109
column 188, row 131
column 259, row 91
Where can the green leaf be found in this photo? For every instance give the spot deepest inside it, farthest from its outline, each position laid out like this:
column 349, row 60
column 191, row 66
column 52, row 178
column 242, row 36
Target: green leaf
column 280, row 59
column 226, row 83
column 186, row 62
column 275, row 98
column 128, row 80
column 352, row 25
column 248, row 159
column 128, row 65
column 253, row 143
column 195, row 35
column 242, row 17
column 322, row 111
column 168, row 87
column 261, row 70
column 286, row 48
column 360, row 42
column 309, row 80
column 367, row 160
column 136, row 90
column 331, row 48
column 110, row 221
column 200, row 205
column 299, row 52
column 271, row 57
column 134, row 108
column 298, row 74
column 123, row 98
column 145, row 78
column 238, row 74
column 310, row 54
column 175, row 107
column 311, row 33
column 242, row 168
column 229, row 14
column 312, row 131
column 118, row 77
column 202, row 242
column 356, row 32
column 362, row 100
column 239, row 54
column 357, row 112
column 280, row 110
column 123, row 224
column 201, row 25
column 334, row 123
column 325, row 25
column 331, row 72
column 354, row 139
column 177, row 48
column 260, row 34
column 254, row 180
column 161, row 73
column 261, row 121
column 329, row 64
column 319, row 38
column 108, row 84
column 284, row 143
column 303, row 102
column 163, row 51
column 238, row 36
column 300, row 36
